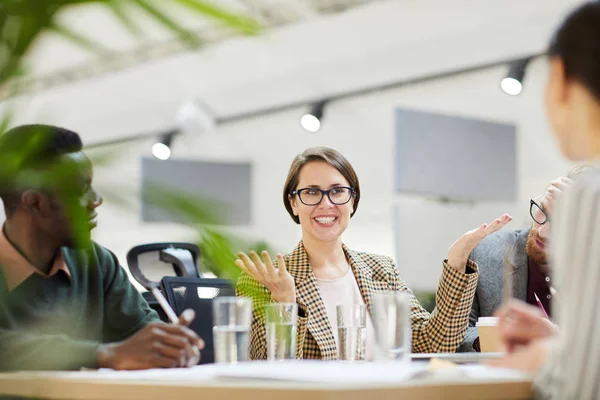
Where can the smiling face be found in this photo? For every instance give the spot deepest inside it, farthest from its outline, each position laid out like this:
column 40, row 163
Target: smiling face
column 324, row 222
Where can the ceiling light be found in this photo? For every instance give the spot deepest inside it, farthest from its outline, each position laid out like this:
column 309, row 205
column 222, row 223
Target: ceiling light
column 512, row 84
column 312, row 120
column 162, row 149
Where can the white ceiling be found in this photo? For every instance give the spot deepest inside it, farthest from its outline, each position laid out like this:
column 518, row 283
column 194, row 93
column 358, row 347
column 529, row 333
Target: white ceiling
column 370, row 44
column 56, row 60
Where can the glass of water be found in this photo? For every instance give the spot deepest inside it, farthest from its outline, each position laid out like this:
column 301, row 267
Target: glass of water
column 281, row 328
column 352, row 331
column 392, row 325
column 232, row 317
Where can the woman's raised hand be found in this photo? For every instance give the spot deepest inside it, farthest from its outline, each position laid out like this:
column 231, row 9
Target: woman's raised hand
column 278, row 280
column 461, row 249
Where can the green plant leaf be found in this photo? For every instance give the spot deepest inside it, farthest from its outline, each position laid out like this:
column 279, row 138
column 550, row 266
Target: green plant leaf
column 77, row 38
column 19, row 33
column 243, row 23
column 119, row 9
column 185, row 35
column 6, row 122
column 218, row 252
column 22, row 22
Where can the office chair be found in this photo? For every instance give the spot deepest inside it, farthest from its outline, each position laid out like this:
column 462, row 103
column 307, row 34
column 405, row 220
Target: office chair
column 197, row 294
column 183, row 258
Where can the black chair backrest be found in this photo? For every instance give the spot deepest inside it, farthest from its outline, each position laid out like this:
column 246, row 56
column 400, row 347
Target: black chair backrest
column 182, row 256
column 197, row 294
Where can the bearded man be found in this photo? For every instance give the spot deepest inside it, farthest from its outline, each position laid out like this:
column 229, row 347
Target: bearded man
column 526, row 252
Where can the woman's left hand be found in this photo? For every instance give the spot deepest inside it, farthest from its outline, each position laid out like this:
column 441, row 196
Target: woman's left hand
column 460, row 250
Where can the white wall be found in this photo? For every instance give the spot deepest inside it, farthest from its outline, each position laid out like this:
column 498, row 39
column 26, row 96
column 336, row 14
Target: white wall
column 387, row 41
column 362, row 129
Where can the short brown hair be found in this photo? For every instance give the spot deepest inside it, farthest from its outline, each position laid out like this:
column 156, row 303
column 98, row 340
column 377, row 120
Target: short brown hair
column 322, row 154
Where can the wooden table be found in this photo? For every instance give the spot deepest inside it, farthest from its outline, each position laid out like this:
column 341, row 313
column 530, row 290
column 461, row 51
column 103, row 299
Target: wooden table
column 100, row 386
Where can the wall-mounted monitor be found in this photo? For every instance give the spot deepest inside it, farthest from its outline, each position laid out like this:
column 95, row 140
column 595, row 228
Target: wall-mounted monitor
column 184, row 184
column 454, row 158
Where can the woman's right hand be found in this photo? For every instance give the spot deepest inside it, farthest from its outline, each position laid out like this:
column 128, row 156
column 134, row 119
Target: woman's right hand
column 278, row 280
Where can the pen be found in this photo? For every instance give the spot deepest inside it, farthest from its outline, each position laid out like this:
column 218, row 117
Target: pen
column 173, row 318
column 165, row 305
column 540, row 305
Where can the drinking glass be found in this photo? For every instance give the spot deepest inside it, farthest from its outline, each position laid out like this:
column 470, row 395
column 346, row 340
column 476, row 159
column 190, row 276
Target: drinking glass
column 281, row 328
column 232, row 317
column 352, row 331
column 392, row 325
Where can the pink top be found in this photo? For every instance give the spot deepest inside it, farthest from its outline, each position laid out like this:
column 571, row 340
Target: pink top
column 345, row 291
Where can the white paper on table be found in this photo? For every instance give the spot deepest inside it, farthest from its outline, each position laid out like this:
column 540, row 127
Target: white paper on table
column 324, row 371
column 332, row 372
column 360, row 373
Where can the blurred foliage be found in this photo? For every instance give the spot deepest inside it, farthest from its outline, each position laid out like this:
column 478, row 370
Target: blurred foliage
column 427, row 300
column 24, row 22
column 218, row 246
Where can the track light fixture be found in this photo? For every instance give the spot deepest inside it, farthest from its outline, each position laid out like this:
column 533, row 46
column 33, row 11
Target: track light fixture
column 193, row 117
column 512, row 84
column 196, row 117
column 312, row 120
column 162, row 149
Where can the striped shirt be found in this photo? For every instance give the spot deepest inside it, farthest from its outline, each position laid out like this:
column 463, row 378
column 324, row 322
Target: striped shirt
column 573, row 368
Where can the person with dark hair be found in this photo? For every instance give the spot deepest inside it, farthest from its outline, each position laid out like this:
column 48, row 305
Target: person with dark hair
column 321, row 194
column 65, row 302
column 566, row 364
column 526, row 250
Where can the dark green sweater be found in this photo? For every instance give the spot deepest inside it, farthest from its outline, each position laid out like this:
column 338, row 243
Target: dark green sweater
column 56, row 323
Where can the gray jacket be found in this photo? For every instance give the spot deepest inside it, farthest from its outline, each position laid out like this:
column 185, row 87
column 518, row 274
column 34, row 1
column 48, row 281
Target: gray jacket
column 490, row 256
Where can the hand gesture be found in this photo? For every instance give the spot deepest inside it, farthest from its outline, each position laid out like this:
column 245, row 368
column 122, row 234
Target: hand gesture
column 157, row 345
column 278, row 280
column 461, row 249
column 519, row 324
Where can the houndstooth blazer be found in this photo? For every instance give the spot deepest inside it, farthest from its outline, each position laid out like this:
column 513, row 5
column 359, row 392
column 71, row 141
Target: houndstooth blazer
column 438, row 332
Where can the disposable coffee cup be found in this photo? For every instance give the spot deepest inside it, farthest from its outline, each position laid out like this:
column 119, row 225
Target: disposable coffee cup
column 489, row 337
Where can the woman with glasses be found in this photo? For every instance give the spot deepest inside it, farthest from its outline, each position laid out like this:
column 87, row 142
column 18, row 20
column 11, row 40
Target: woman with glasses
column 322, row 194
column 567, row 364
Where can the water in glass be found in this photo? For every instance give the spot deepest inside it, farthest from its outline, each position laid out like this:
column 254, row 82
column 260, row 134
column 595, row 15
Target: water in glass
column 392, row 323
column 281, row 341
column 231, row 343
column 351, row 343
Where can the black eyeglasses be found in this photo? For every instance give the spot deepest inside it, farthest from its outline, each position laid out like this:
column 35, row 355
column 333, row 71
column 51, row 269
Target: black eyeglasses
column 313, row 196
column 537, row 213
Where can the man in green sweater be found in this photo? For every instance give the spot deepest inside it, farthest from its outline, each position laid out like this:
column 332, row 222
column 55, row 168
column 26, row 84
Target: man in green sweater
column 65, row 302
